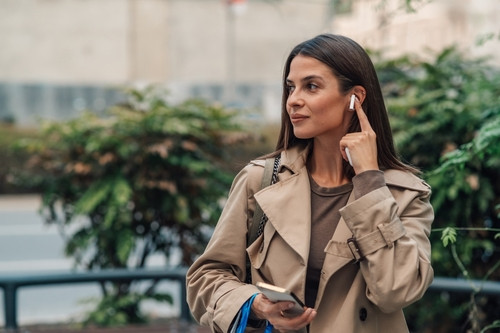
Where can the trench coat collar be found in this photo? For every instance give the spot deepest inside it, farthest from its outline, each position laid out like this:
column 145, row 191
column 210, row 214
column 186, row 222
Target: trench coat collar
column 287, row 205
column 295, row 159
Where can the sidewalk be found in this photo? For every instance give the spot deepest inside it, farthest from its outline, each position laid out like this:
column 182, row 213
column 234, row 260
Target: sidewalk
column 20, row 202
column 170, row 326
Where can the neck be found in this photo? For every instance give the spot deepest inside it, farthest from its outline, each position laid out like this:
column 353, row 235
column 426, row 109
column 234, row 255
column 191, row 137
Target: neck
column 325, row 164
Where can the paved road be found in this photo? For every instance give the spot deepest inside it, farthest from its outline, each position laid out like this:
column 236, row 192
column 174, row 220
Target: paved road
column 26, row 245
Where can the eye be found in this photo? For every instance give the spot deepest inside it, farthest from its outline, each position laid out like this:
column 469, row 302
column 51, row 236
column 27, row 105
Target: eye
column 290, row 88
column 312, row 86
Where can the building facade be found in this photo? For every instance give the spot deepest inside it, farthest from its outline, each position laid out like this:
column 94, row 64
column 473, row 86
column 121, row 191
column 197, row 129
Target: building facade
column 62, row 56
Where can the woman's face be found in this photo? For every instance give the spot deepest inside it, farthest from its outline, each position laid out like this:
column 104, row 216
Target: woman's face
column 315, row 105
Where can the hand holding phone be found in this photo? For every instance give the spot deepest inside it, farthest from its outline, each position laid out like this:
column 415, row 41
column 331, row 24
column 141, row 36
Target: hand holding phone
column 278, row 294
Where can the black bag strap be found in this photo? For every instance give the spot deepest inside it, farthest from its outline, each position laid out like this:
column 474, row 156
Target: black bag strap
column 259, row 218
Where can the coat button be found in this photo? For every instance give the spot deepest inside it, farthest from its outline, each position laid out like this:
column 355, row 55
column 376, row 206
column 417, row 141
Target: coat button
column 363, row 314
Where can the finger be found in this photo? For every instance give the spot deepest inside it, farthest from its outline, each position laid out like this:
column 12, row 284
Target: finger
column 363, row 119
column 297, row 322
column 344, row 150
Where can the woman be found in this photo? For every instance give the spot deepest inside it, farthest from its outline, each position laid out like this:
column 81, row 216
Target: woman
column 350, row 241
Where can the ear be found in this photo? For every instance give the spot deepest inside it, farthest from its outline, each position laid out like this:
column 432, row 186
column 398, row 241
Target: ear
column 360, row 93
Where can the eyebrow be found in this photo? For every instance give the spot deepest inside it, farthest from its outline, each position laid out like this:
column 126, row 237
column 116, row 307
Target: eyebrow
column 307, row 78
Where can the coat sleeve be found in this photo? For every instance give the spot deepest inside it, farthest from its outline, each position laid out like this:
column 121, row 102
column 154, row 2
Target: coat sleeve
column 215, row 291
column 391, row 229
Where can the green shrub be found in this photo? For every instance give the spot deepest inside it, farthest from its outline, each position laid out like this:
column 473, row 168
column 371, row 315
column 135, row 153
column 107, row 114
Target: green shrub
column 148, row 178
column 12, row 159
column 446, row 120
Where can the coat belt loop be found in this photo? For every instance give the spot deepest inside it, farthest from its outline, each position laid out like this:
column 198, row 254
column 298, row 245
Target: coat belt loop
column 382, row 228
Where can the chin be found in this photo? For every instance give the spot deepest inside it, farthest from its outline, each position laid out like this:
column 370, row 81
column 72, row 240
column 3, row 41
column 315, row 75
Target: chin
column 302, row 135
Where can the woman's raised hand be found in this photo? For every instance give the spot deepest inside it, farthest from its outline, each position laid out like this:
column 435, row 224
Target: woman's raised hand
column 362, row 145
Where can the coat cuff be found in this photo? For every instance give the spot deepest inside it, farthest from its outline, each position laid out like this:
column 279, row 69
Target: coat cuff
column 229, row 304
column 373, row 222
column 366, row 182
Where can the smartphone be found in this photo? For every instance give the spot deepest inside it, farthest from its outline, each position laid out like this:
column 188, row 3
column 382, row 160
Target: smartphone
column 277, row 294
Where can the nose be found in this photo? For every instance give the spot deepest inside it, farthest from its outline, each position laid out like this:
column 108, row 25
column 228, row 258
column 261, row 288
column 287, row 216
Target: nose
column 294, row 100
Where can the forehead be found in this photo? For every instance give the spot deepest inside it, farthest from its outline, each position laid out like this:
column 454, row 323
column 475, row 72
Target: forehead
column 303, row 66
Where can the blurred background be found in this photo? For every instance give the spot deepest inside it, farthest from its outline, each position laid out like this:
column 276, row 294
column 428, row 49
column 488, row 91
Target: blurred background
column 60, row 59
column 61, row 56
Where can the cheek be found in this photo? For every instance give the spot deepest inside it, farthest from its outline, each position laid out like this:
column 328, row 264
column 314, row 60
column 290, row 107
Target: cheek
column 333, row 113
column 330, row 108
column 333, row 104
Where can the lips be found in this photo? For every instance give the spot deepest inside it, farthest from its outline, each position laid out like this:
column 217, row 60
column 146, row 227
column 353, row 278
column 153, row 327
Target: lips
column 296, row 117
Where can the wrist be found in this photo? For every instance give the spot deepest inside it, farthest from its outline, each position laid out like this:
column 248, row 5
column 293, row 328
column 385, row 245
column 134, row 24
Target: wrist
column 254, row 321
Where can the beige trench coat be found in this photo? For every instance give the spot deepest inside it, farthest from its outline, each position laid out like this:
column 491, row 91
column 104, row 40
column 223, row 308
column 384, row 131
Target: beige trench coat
column 391, row 226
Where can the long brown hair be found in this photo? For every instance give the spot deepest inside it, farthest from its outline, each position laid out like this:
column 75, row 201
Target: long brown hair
column 352, row 66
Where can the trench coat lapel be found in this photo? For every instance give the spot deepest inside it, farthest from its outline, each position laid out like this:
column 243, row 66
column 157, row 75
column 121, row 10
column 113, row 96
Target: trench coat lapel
column 287, row 205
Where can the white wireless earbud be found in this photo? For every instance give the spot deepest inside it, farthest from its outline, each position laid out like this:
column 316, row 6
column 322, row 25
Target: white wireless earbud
column 351, row 104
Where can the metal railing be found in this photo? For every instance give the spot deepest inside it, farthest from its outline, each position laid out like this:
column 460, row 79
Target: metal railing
column 463, row 286
column 12, row 282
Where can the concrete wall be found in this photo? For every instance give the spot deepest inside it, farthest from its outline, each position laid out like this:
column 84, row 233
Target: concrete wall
column 64, row 41
column 199, row 41
column 203, row 48
column 117, row 41
column 432, row 27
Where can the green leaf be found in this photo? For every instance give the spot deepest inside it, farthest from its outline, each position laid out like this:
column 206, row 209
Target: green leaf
column 495, row 324
column 110, row 217
column 125, row 244
column 161, row 297
column 122, row 192
column 94, row 196
column 448, row 236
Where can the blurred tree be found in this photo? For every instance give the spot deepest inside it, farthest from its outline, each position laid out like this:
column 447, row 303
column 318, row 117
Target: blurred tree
column 148, row 179
column 446, row 120
column 9, row 134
